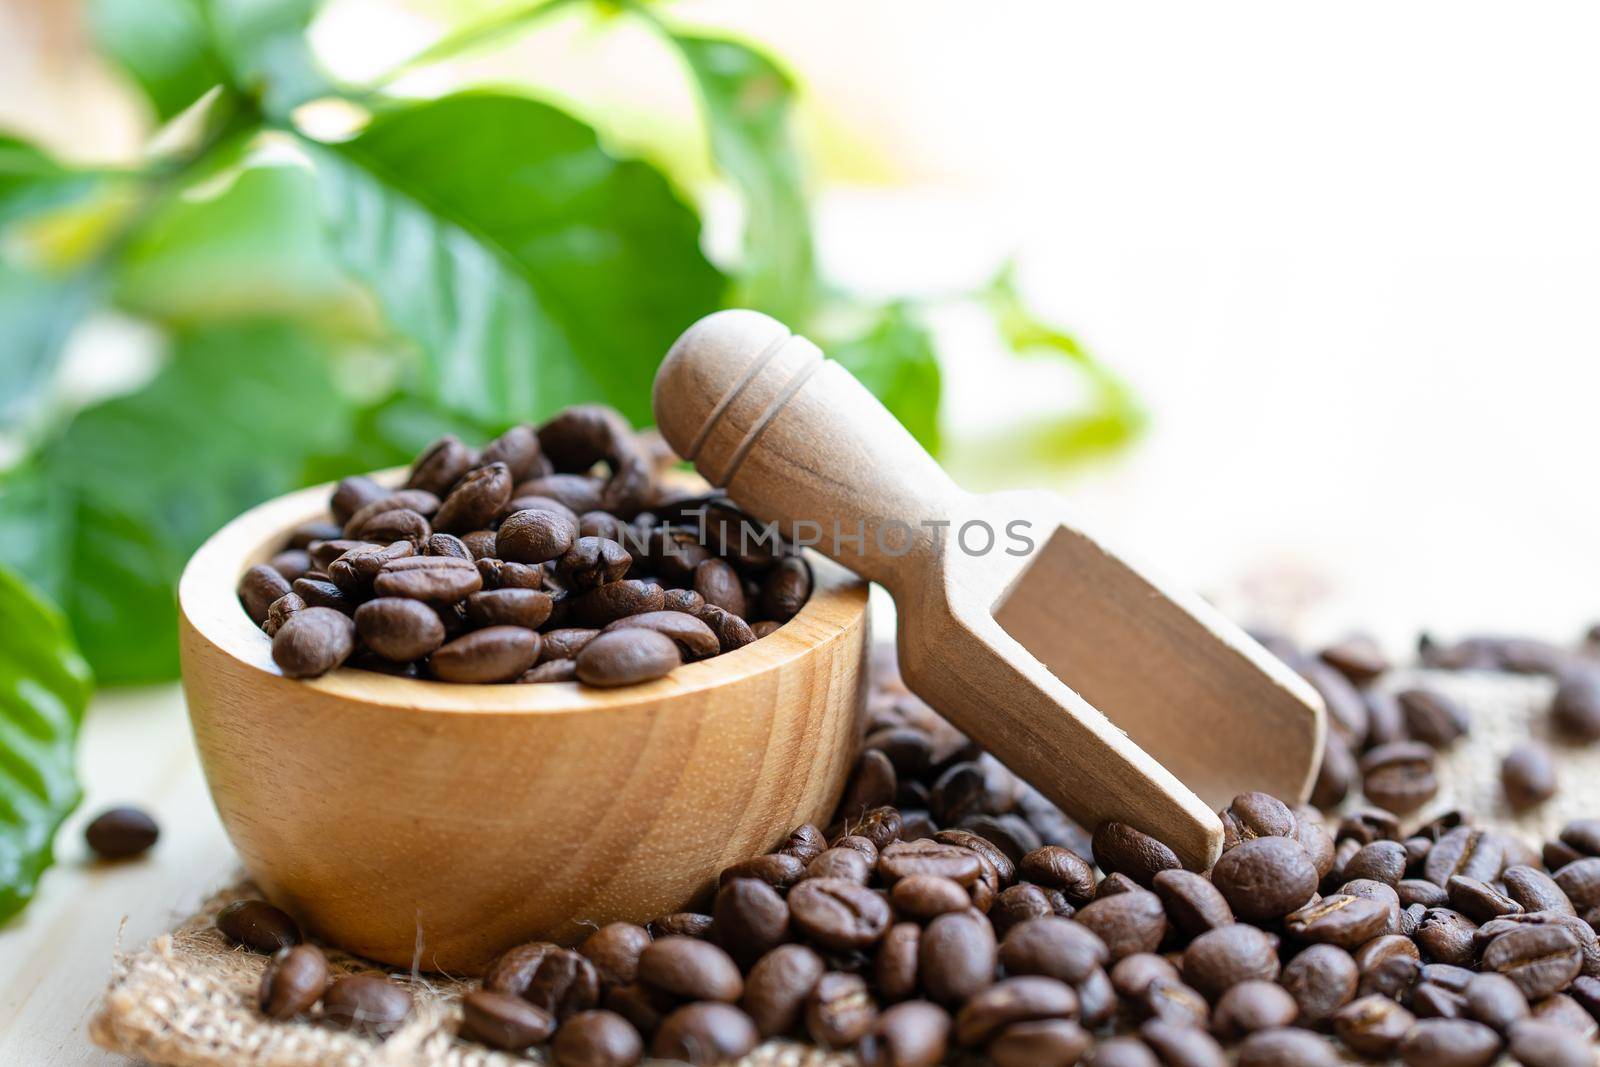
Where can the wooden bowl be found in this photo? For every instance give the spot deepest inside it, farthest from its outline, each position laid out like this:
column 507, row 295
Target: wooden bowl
column 419, row 822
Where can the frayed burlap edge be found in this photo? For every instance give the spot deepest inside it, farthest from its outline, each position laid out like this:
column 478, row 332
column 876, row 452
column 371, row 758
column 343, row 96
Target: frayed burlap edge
column 187, row 998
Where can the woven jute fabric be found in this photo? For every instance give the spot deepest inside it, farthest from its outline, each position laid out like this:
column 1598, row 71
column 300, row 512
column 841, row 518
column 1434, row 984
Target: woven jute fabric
column 188, row 998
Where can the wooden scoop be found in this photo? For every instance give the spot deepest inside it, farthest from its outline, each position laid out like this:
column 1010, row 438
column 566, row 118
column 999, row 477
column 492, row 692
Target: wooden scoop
column 1114, row 694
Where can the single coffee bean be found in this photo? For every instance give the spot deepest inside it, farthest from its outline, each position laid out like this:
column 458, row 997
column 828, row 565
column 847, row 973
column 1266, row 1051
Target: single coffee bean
column 557, row 670
column 1540, row 959
column 1541, row 1044
column 280, row 611
column 846, row 864
column 1373, row 1026
column 597, row 1039
column 592, row 562
column 1449, row 1043
column 1479, row 901
column 873, row 783
column 705, row 1033
column 626, row 657
column 1576, row 707
column 353, row 494
column 785, row 589
column 1056, row 948
column 641, row 1006
column 1287, row 1047
column 503, row 1021
column 690, row 968
column 475, row 501
column 1020, row 903
column 894, row 970
column 1381, row 861
column 1446, row 936
column 779, row 869
column 681, row 924
column 513, row 970
column 1119, row 848
column 1121, row 1052
column 367, row 1004
column 1399, row 776
column 926, row 896
column 535, row 535
column 1464, row 851
column 901, row 859
column 618, row 600
column 1055, row 867
column 355, row 571
column 732, row 631
column 1357, row 657
column 1580, row 881
column 1097, row 1001
column 1535, row 890
column 1583, row 836
column 837, row 914
column 434, row 579
column 957, row 955
column 1421, row 891
column 1173, row 1001
column 693, row 637
column 1429, row 1001
column 395, row 525
column 399, row 629
column 258, row 588
column 1253, row 815
column 293, row 982
column 320, row 593
column 1560, row 1009
column 719, row 586
column 778, row 986
column 840, row 1010
column 1251, row 1006
column 1129, row 922
column 493, row 654
column 751, row 919
column 1265, row 878
column 1134, row 974
column 528, row 608
column 1221, row 958
column 1432, row 717
column 1447, row 975
column 1013, row 1000
column 1528, row 776
column 1176, row 1045
column 121, row 833
column 1336, row 775
column 443, row 544
column 312, row 642
column 914, row 1034
column 1322, row 979
column 564, row 983
column 441, row 465
column 1495, row 1000
column 614, row 949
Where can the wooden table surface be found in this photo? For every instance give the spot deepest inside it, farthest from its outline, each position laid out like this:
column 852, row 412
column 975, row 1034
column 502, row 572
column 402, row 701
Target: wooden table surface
column 55, row 957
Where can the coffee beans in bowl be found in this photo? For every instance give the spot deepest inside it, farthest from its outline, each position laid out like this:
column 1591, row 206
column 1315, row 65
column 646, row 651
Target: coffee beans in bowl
column 502, row 564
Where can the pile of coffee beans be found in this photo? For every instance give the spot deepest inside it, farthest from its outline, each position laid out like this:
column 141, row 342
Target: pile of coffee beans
column 551, row 554
column 951, row 909
column 1382, row 739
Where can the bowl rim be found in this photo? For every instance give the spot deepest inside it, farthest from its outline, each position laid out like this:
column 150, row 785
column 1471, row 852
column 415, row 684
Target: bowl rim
column 210, row 611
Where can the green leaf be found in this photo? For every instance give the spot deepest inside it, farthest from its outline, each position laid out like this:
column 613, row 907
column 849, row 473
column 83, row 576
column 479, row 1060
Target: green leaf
column 263, row 45
column 531, row 268
column 749, row 103
column 233, row 418
column 44, row 688
column 894, row 357
column 164, row 45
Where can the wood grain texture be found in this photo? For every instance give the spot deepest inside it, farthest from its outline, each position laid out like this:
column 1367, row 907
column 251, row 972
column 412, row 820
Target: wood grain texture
column 421, row 821
column 1022, row 647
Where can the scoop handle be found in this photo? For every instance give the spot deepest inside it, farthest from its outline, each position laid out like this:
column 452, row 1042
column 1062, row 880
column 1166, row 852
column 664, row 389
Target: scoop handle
column 797, row 440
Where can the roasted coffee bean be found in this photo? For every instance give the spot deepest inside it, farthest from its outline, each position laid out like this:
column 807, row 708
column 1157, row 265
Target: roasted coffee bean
column 1528, row 776
column 926, row 896
column 1055, row 867
column 690, row 968
column 355, row 571
column 626, row 657
column 1390, row 965
column 1322, row 979
column 1449, row 1043
column 1176, row 1045
column 732, row 632
column 1583, row 836
column 1253, row 815
column 564, row 983
column 1337, row 774
column 1313, row 836
column 1173, row 1001
column 719, row 586
column 592, row 562
column 528, row 608
column 902, row 859
column 1399, row 776
column 765, row 628
column 805, row 842
column 1580, row 881
column 1560, row 1009
column 1056, row 948
column 258, row 588
column 1357, row 657
column 1479, row 901
column 1119, row 848
column 1541, row 1044
column 1097, row 1001
column 312, row 642
column 1432, row 717
column 597, row 1039
column 1535, row 890
column 556, row 670
column 121, row 833
column 353, row 494
column 1120, row 1052
column 280, row 611
column 441, row 465
column 845, row 864
column 880, row 826
column 434, row 579
column 839, row 1011
column 618, row 600
column 1287, row 1047
column 1020, row 903
column 476, row 500
column 614, row 950
column 1464, row 851
column 443, row 544
column 1265, row 878
column 1132, row 975
column 293, row 982
column 1251, row 1006
column 1576, row 707
column 368, row 1004
column 681, row 924
column 785, row 589
column 778, row 869
column 1421, row 891
column 1540, row 959
column 1446, row 936
column 564, row 643
column 956, row 956
column 778, row 987
column 1127, row 922
column 856, row 843
column 1381, row 861
column 399, row 629
column 535, row 535
column 397, row 524
column 418, row 501
column 705, row 1033
column 504, row 1022
column 513, row 969
column 837, row 914
column 1228, row 955
column 1366, row 825
column 1013, row 1000
column 751, row 919
column 1429, row 1001
column 894, row 970
column 1373, row 1026
column 873, row 783
column 1495, row 1000
column 493, row 654
column 915, row 1034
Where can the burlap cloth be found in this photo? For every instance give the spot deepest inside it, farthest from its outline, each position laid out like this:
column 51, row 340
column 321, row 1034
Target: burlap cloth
column 187, row 998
